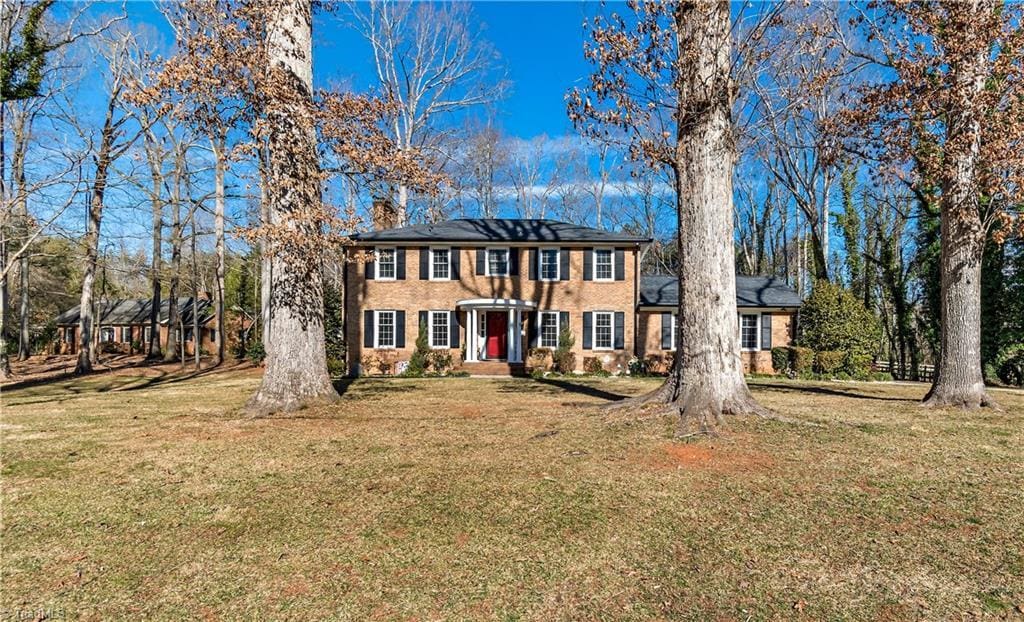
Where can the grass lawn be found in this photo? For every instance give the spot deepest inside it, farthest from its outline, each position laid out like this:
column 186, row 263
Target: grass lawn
column 127, row 497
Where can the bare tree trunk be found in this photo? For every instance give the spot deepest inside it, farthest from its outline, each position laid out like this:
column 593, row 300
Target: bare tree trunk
column 86, row 341
column 156, row 206
column 5, row 364
column 706, row 381
column 220, row 162
column 21, row 135
column 958, row 378
column 296, row 373
column 266, row 267
column 196, row 336
column 171, row 351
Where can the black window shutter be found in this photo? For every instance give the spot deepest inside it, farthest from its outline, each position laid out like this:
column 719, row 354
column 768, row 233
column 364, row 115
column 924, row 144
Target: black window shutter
column 563, row 269
column 400, row 263
column 588, row 330
column 766, row 331
column 370, row 269
column 367, row 329
column 424, row 322
column 481, row 258
column 456, row 260
column 620, row 264
column 588, row 264
column 533, row 263
column 513, row 262
column 424, row 264
column 533, row 328
column 666, row 331
column 399, row 329
column 620, row 330
column 453, row 330
column 563, row 321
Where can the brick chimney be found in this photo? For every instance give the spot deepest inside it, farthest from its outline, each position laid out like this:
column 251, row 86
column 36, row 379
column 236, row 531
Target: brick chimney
column 385, row 216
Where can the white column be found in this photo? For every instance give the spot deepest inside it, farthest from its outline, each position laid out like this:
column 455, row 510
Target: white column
column 471, row 334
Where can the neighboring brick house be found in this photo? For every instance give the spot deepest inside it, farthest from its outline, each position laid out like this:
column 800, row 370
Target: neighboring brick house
column 120, row 323
column 491, row 291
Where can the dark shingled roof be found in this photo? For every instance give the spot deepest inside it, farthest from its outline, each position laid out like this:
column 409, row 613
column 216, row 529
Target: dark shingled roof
column 751, row 291
column 487, row 230
column 136, row 311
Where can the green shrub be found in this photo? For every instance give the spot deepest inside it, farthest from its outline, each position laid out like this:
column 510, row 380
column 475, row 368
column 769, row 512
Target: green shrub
column 881, row 376
column 440, row 361
column 336, row 368
column 256, row 352
column 537, row 373
column 857, row 365
column 833, row 319
column 419, row 360
column 1009, row 365
column 829, row 361
column 801, row 360
column 563, row 357
column 781, row 356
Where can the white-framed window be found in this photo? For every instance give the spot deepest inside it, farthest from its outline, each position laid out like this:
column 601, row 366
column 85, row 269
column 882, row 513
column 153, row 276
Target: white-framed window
column 497, row 262
column 748, row 331
column 440, row 264
column 107, row 334
column 69, row 334
column 549, row 264
column 146, row 332
column 126, row 334
column 549, row 329
column 603, row 330
column 384, row 329
column 604, row 264
column 439, row 329
column 385, row 264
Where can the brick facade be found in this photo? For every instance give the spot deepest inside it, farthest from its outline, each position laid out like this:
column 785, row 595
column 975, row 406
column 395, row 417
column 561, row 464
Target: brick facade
column 754, row 361
column 413, row 294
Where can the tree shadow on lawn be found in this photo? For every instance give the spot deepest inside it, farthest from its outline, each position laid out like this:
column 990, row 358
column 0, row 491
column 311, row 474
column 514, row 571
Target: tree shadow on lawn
column 582, row 389
column 835, row 392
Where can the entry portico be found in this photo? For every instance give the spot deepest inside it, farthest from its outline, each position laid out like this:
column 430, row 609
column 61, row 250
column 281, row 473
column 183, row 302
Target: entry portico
column 494, row 328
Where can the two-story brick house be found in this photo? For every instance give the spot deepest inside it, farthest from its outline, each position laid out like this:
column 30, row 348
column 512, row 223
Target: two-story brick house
column 489, row 291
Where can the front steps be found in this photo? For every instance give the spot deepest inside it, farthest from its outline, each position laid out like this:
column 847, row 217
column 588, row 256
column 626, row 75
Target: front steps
column 494, row 368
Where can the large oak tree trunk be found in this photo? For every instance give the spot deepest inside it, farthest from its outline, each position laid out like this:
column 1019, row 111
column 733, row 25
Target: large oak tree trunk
column 296, row 370
column 958, row 379
column 706, row 381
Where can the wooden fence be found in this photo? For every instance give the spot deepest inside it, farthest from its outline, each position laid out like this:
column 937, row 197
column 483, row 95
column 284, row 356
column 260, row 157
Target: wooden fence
column 925, row 373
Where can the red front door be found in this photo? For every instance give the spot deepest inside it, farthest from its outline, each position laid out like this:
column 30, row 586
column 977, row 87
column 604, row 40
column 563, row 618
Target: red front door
column 497, row 335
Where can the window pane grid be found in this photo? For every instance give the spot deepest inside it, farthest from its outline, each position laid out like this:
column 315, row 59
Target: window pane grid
column 603, row 330
column 386, row 263
column 441, row 267
column 748, row 331
column 549, row 264
column 603, row 264
column 385, row 329
column 497, row 262
column 549, row 330
column 438, row 329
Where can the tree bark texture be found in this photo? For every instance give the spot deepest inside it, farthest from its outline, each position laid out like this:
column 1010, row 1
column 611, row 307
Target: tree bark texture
column 296, row 365
column 171, row 352
column 220, row 162
column 958, row 379
column 157, row 209
column 706, row 380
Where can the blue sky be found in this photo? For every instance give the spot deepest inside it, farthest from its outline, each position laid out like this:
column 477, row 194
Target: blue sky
column 540, row 44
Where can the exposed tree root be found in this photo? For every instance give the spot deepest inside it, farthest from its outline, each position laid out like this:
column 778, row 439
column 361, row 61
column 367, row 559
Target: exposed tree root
column 966, row 399
column 263, row 405
column 701, row 411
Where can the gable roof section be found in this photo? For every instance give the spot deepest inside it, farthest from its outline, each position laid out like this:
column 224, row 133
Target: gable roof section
column 751, row 291
column 500, row 230
column 136, row 311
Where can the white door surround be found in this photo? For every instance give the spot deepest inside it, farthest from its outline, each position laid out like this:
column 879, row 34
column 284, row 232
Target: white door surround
column 476, row 327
